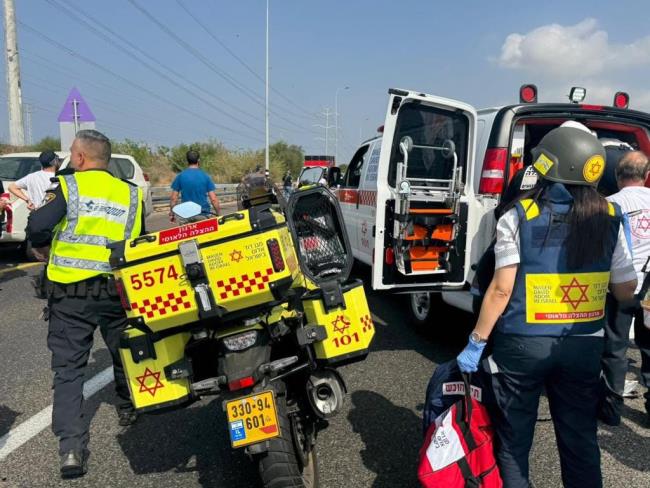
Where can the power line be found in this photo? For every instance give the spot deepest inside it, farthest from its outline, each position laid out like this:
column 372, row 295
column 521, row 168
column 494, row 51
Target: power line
column 46, row 108
column 130, row 53
column 110, row 106
column 241, row 61
column 159, row 63
column 164, row 67
column 197, row 54
column 226, row 77
column 73, row 53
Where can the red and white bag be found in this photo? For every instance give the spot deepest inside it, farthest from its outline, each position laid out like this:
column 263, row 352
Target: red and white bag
column 458, row 448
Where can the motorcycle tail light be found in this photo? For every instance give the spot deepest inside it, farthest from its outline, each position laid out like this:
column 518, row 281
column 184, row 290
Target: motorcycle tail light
column 244, row 382
column 276, row 255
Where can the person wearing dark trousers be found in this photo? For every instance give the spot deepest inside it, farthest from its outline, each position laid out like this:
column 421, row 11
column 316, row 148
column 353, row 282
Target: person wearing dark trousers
column 89, row 210
column 558, row 250
column 631, row 173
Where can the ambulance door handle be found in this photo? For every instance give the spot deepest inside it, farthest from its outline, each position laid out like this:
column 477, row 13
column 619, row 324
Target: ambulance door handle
column 145, row 238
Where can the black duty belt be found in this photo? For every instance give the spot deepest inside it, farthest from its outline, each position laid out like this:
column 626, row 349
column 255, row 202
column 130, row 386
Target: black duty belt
column 92, row 287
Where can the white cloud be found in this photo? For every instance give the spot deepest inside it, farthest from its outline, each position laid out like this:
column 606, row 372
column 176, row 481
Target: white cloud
column 577, row 51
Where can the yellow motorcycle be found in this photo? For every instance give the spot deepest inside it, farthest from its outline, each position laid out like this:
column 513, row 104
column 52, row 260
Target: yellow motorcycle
column 256, row 307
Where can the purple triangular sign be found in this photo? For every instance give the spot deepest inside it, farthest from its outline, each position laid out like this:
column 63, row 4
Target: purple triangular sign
column 83, row 110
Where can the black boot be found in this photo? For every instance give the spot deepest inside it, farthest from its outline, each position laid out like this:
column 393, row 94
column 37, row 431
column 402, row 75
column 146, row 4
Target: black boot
column 609, row 412
column 74, row 464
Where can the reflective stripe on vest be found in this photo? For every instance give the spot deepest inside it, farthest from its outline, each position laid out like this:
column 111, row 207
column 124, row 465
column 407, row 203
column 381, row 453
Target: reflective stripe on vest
column 81, row 264
column 100, row 211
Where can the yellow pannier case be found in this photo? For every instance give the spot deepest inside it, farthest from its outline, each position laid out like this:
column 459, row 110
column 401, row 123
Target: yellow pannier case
column 205, row 269
column 348, row 324
column 149, row 362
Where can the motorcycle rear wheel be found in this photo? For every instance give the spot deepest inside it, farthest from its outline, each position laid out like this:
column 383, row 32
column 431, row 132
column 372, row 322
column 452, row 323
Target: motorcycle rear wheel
column 281, row 466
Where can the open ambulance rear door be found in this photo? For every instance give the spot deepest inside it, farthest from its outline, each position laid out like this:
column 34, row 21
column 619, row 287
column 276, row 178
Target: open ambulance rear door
column 425, row 199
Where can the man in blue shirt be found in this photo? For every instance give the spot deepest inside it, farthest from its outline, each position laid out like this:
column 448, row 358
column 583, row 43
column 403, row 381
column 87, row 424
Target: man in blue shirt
column 194, row 185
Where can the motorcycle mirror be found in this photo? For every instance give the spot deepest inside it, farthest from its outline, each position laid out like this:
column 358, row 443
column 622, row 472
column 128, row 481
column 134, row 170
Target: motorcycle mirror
column 187, row 210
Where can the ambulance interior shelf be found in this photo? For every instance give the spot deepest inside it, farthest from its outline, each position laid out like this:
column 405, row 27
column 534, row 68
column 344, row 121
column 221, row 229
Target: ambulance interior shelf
column 426, row 213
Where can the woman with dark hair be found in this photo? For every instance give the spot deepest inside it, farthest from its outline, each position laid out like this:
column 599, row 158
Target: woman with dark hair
column 558, row 250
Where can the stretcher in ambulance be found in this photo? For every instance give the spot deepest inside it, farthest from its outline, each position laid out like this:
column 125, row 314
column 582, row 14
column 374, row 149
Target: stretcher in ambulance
column 418, row 201
column 405, row 199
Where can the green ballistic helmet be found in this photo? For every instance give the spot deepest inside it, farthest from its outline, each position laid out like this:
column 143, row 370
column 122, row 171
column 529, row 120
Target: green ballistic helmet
column 571, row 156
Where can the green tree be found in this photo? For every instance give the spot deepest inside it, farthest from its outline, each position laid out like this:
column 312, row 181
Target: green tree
column 48, row 143
column 283, row 157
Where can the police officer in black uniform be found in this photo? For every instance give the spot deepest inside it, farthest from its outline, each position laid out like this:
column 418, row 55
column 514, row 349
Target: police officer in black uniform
column 89, row 209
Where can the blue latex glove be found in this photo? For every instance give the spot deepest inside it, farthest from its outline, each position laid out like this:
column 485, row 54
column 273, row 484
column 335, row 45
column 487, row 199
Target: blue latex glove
column 469, row 358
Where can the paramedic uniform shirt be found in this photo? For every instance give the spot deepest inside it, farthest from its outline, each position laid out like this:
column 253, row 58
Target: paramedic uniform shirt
column 506, row 250
column 635, row 202
column 36, row 184
column 194, row 185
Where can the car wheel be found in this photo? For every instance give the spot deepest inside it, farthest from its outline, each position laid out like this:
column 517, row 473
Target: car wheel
column 421, row 308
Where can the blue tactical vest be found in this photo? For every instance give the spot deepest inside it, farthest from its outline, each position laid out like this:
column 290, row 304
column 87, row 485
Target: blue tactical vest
column 548, row 298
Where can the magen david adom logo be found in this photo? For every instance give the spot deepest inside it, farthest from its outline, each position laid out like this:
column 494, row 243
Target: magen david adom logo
column 594, row 168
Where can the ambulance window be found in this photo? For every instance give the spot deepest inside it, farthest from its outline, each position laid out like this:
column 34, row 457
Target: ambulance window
column 373, row 164
column 353, row 174
column 429, row 126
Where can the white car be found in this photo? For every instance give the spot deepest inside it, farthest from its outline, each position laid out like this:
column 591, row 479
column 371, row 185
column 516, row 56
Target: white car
column 16, row 165
column 418, row 201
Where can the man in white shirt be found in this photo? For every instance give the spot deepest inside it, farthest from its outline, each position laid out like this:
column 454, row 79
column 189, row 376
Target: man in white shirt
column 32, row 188
column 634, row 199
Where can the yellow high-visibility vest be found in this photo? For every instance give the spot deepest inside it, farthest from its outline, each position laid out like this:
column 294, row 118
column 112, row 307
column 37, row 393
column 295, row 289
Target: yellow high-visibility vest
column 101, row 209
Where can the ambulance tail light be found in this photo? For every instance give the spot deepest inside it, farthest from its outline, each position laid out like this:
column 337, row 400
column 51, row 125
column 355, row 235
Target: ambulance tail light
column 528, row 94
column 121, row 291
column 241, row 383
column 145, row 176
column 276, row 255
column 494, row 167
column 621, row 100
column 389, row 256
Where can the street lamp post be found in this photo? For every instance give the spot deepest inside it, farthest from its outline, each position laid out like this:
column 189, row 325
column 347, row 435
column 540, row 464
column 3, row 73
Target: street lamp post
column 336, row 123
column 266, row 107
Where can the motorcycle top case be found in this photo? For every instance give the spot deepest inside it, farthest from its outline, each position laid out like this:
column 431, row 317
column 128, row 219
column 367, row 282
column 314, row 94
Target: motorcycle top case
column 344, row 314
column 148, row 361
column 206, row 269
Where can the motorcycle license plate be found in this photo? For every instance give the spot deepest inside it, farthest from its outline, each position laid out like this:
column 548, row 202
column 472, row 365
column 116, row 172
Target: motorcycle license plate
column 252, row 419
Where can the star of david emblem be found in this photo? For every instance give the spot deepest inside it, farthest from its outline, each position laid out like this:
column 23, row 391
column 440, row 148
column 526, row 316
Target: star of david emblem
column 364, row 228
column 643, row 224
column 147, row 385
column 571, row 298
column 344, row 324
column 236, row 256
column 595, row 169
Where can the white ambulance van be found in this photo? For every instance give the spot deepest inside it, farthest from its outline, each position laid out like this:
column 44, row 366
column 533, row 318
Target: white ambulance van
column 418, row 201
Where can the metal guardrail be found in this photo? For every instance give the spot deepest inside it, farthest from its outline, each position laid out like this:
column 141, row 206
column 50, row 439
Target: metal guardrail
column 226, row 192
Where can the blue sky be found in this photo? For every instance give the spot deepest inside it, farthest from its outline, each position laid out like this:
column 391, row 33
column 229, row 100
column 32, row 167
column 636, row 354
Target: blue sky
column 475, row 51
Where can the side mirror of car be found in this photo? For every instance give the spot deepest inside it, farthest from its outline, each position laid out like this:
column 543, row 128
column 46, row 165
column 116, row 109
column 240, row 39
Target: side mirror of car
column 187, row 210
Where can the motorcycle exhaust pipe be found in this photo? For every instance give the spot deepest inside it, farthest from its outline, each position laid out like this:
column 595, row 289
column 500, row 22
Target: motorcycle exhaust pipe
column 326, row 393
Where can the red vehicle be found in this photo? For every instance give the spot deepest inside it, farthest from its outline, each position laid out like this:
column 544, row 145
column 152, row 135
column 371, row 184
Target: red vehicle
column 319, row 169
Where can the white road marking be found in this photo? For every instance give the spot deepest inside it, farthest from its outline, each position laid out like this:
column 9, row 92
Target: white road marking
column 33, row 426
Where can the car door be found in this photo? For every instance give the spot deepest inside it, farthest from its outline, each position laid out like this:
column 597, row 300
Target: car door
column 438, row 135
column 367, row 203
column 348, row 195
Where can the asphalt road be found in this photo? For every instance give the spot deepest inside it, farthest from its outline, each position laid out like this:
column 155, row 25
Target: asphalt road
column 373, row 443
